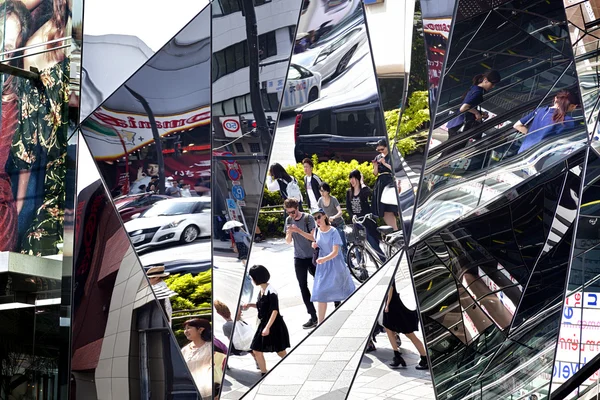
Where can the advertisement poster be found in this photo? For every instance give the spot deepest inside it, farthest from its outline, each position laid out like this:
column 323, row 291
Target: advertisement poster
column 34, row 133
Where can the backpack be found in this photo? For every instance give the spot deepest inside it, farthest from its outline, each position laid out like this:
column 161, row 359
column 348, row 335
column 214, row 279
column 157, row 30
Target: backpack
column 293, row 190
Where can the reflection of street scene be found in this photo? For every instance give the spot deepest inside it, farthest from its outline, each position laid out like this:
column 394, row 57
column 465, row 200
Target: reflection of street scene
column 115, row 312
column 397, row 366
column 334, row 184
column 151, row 144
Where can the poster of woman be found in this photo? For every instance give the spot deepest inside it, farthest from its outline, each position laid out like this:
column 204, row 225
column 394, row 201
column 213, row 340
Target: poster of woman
column 34, row 130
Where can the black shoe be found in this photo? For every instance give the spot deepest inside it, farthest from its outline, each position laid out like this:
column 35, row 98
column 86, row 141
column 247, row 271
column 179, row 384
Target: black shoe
column 422, row 363
column 397, row 361
column 371, row 347
column 262, row 374
column 310, row 324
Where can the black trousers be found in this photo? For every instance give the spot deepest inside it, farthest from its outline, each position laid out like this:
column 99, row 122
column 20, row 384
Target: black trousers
column 303, row 267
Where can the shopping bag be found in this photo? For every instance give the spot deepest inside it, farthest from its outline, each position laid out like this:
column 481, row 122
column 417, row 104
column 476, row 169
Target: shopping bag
column 242, row 336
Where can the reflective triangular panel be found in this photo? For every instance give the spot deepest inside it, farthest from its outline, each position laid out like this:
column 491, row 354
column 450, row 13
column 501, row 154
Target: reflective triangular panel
column 120, row 36
column 325, row 363
column 252, row 46
column 382, row 372
column 150, row 141
column 488, row 100
column 122, row 344
column 331, row 55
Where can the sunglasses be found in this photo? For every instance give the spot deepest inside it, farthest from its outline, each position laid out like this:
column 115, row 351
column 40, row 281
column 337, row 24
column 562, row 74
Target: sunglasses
column 319, row 216
column 290, row 212
column 380, row 150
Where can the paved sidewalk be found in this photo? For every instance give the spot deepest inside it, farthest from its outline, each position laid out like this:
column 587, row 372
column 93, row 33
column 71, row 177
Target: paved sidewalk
column 375, row 380
column 278, row 257
column 324, row 365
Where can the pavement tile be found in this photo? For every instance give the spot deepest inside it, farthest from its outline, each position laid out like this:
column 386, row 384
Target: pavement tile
column 335, row 395
column 344, row 380
column 309, row 349
column 345, row 344
column 317, row 386
column 288, row 374
column 337, row 356
column 333, row 324
column 327, row 371
column 374, row 372
column 279, row 390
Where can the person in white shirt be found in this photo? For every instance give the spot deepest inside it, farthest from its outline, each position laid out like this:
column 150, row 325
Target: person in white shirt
column 312, row 183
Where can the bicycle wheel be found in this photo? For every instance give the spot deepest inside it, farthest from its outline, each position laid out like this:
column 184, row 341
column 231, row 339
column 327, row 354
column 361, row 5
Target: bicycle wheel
column 361, row 263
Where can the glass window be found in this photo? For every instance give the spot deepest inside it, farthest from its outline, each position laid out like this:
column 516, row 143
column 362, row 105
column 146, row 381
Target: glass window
column 254, row 147
column 293, row 73
column 358, row 123
column 229, row 107
column 219, row 65
column 239, row 147
column 240, row 104
column 319, row 123
column 248, row 103
column 230, row 59
column 240, row 55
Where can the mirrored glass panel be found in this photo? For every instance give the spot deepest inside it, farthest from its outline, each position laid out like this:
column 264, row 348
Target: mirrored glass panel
column 395, row 362
column 122, row 344
column 509, row 107
column 490, row 286
column 38, row 112
column 151, row 143
column 252, row 44
column 581, row 17
column 130, row 34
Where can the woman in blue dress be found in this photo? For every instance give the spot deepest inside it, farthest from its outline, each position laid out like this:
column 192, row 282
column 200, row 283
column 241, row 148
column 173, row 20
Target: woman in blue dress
column 333, row 282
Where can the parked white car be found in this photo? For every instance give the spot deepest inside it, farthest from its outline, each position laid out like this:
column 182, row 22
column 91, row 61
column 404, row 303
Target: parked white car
column 331, row 57
column 303, row 87
column 173, row 220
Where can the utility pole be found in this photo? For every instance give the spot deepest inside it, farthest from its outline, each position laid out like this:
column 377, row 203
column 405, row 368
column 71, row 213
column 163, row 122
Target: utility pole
column 262, row 128
column 157, row 139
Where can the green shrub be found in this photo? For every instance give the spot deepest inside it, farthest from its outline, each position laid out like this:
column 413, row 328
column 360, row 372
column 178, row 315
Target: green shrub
column 271, row 223
column 194, row 291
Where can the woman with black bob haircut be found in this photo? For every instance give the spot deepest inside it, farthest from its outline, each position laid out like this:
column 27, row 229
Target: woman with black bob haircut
column 272, row 335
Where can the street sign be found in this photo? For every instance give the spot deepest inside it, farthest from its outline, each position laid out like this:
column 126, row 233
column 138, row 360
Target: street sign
column 238, row 192
column 231, row 205
column 231, row 126
column 234, row 174
column 241, row 203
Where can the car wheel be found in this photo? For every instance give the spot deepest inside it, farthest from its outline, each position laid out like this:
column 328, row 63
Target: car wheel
column 313, row 94
column 189, row 234
column 344, row 62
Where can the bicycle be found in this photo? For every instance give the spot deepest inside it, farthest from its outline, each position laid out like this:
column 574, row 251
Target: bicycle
column 362, row 259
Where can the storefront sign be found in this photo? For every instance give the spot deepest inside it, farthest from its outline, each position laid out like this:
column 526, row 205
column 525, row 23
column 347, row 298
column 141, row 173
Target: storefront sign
column 111, row 132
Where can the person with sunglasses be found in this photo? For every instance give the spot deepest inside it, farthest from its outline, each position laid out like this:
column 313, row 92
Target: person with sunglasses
column 333, row 282
column 299, row 228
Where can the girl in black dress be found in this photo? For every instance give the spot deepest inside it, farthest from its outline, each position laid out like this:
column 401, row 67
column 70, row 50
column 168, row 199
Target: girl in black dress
column 399, row 319
column 272, row 333
column 382, row 169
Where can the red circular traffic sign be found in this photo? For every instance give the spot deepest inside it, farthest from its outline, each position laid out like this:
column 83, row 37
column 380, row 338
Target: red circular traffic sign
column 231, row 125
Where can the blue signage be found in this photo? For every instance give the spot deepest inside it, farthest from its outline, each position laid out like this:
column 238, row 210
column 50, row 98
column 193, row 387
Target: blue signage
column 231, row 204
column 238, row 192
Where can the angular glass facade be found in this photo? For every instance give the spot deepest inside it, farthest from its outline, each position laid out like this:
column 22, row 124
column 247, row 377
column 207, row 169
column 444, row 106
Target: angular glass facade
column 299, row 199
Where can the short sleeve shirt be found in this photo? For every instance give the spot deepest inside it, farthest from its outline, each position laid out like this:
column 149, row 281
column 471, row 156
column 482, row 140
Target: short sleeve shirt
column 542, row 127
column 331, row 209
column 302, row 246
column 474, row 98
